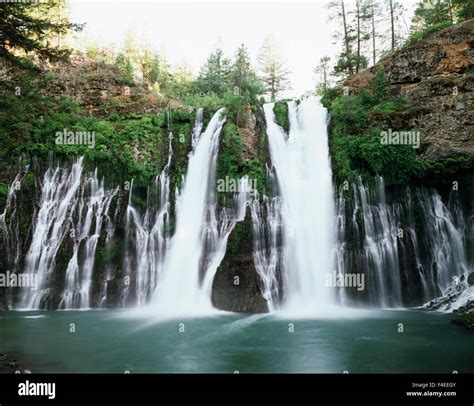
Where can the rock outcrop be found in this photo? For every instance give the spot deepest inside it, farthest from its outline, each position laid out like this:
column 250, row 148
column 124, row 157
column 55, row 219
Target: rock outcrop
column 98, row 89
column 436, row 77
column 236, row 283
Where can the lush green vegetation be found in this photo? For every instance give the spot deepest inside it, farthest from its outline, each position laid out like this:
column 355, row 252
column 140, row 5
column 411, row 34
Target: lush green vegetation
column 356, row 135
column 370, row 30
column 126, row 145
column 241, row 233
column 356, row 146
column 434, row 15
column 281, row 115
column 426, row 32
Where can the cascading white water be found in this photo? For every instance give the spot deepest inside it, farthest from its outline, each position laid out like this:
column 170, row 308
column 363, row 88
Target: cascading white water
column 179, row 290
column 217, row 231
column 381, row 249
column 148, row 237
column 93, row 207
column 301, row 162
column 446, row 244
column 382, row 241
column 109, row 268
column 266, row 229
column 56, row 206
column 9, row 226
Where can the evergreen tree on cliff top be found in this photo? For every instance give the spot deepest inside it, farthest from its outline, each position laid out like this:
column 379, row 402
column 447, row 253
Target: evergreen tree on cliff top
column 242, row 76
column 274, row 71
column 30, row 33
column 214, row 74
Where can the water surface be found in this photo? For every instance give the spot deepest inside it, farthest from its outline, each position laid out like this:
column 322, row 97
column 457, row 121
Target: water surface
column 119, row 341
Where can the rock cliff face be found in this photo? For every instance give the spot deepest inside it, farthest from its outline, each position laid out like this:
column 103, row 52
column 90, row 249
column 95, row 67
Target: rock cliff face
column 436, row 77
column 236, row 283
column 97, row 89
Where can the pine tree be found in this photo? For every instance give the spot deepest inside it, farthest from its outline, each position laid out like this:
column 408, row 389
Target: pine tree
column 241, row 69
column 242, row 76
column 27, row 29
column 431, row 12
column 345, row 63
column 214, row 74
column 274, row 72
column 322, row 70
column 464, row 9
column 395, row 11
column 372, row 13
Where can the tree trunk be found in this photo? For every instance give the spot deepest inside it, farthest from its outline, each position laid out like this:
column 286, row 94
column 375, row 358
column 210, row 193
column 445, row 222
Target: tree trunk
column 358, row 37
column 450, row 7
column 373, row 31
column 392, row 24
column 346, row 40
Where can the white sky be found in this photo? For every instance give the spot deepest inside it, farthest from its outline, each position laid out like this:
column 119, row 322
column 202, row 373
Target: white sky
column 189, row 30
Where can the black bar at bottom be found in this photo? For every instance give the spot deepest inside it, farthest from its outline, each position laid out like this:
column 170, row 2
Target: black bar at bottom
column 71, row 388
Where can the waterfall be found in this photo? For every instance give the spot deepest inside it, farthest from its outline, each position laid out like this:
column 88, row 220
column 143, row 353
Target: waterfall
column 445, row 241
column 179, row 290
column 380, row 248
column 91, row 211
column 56, row 204
column 9, row 224
column 408, row 246
column 217, row 231
column 266, row 228
column 301, row 162
column 147, row 237
column 109, row 268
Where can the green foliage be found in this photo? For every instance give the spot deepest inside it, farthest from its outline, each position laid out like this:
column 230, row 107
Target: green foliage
column 434, row 15
column 29, row 28
column 242, row 78
column 214, row 74
column 432, row 12
column 420, row 35
column 397, row 163
column 274, row 71
column 241, row 232
column 124, row 147
column 446, row 169
column 380, row 85
column 355, row 145
column 280, row 108
column 231, row 162
column 470, row 279
column 344, row 65
column 125, row 69
column 329, row 95
column 3, row 192
column 464, row 9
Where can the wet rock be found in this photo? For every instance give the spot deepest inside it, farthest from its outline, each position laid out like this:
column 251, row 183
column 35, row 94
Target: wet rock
column 236, row 284
column 3, row 300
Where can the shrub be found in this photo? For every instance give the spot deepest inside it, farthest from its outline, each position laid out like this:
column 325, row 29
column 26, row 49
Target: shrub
column 280, row 109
